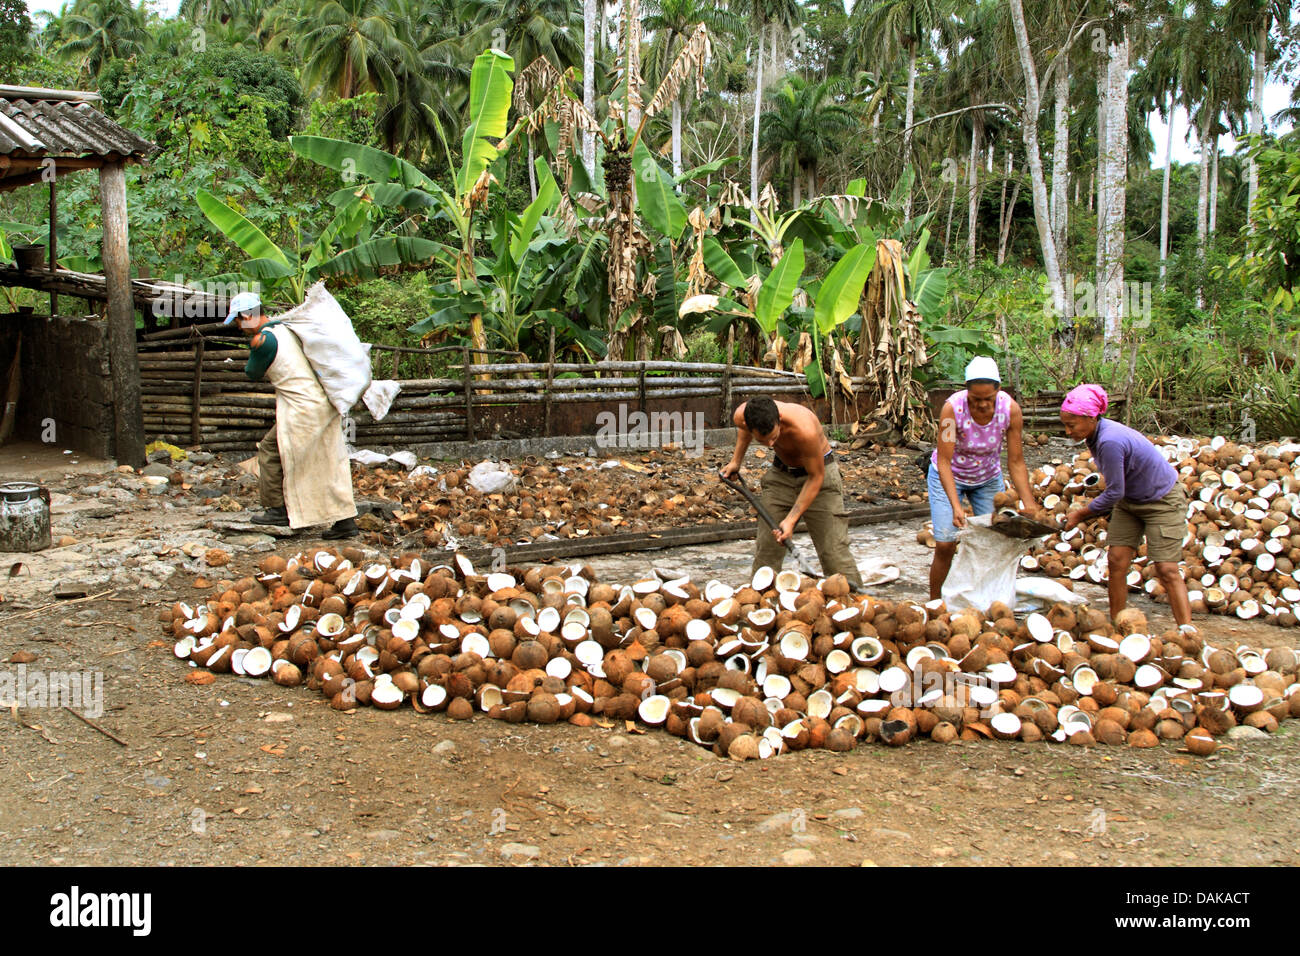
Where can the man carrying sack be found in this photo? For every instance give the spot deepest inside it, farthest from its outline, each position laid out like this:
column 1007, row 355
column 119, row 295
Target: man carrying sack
column 302, row 463
column 803, row 482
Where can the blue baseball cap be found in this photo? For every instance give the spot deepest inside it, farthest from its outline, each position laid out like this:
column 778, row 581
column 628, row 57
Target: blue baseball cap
column 243, row 302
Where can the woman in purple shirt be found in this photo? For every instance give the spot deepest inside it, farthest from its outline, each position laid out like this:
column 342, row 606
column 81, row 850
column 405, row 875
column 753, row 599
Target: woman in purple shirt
column 1143, row 496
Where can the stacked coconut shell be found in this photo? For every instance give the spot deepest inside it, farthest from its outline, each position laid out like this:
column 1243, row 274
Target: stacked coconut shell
column 578, row 496
column 1242, row 547
column 782, row 663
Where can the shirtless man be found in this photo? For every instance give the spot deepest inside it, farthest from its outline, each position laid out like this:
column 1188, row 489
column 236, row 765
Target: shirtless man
column 803, row 482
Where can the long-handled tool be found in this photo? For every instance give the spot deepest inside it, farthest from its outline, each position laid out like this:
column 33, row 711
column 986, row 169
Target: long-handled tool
column 798, row 553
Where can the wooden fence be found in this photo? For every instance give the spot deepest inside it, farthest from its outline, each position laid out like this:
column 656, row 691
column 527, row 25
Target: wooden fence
column 195, row 391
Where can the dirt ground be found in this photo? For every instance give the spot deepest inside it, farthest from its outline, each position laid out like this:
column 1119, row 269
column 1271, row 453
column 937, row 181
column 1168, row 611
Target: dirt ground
column 243, row 771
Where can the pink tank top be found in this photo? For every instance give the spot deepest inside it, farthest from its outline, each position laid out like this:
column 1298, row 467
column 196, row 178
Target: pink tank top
column 977, row 457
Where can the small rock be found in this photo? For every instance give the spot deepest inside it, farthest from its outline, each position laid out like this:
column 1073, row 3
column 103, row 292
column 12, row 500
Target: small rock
column 943, row 851
column 884, row 834
column 778, row 821
column 515, row 852
column 1244, row 732
column 157, row 469
column 797, row 857
column 848, row 813
column 445, row 747
column 216, row 558
column 618, row 741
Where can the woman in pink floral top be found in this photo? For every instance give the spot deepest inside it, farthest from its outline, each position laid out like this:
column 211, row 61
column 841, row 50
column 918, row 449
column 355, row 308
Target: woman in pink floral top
column 968, row 460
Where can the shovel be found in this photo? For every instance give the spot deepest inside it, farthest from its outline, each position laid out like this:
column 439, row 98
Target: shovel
column 800, row 557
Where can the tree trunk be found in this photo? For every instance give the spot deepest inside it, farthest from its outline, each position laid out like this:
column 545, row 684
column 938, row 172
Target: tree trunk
column 1164, row 191
column 1202, row 195
column 1061, row 153
column 1103, row 143
column 947, row 232
column 1116, row 186
column 796, row 188
column 907, row 129
column 758, row 105
column 1006, row 226
column 532, row 173
column 1256, row 116
column 972, row 202
column 589, row 26
column 677, row 138
column 1214, row 183
column 123, row 363
column 812, row 182
column 1029, row 130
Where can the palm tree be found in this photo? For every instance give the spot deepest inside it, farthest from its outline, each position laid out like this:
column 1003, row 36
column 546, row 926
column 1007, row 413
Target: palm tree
column 672, row 22
column 763, row 14
column 884, row 27
column 350, row 46
column 1156, row 88
column 102, row 30
column 803, row 125
column 432, row 83
column 1253, row 19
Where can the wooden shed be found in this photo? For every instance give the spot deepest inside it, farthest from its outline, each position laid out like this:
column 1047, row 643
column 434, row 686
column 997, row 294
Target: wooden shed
column 80, row 372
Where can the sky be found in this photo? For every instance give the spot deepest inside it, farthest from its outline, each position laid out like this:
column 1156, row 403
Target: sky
column 1185, row 148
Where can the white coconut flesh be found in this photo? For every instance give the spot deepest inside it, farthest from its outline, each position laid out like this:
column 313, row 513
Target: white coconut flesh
column 873, row 708
column 645, row 618
column 1084, row 680
column 523, row 608
column 866, row 680
column 1005, row 725
column 788, row 580
column 256, row 662
column 726, row 607
column 846, row 615
column 893, row 679
column 678, row 657
column 528, row 625
column 1039, row 627
column 184, row 646
column 1002, row 673
column 1245, row 695
column 1136, row 647
column 698, row 629
column 548, row 619
column 918, row 654
column 793, row 645
column 776, row 685
column 725, row 697
column 237, row 660
column 868, row 650
column 408, row 629
column 717, row 591
column 981, row 695
column 837, row 662
column 851, row 723
column 774, row 737
column 765, row 749
column 475, row 643
column 789, row 600
column 654, row 709
column 762, row 617
column 559, row 667
column 574, row 632
column 820, row 704
column 729, row 647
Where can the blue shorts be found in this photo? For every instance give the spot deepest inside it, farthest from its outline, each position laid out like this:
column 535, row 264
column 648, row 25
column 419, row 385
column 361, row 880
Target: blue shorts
column 980, row 498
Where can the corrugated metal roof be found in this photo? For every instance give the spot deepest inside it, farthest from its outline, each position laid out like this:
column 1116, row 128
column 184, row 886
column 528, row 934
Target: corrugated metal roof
column 63, row 128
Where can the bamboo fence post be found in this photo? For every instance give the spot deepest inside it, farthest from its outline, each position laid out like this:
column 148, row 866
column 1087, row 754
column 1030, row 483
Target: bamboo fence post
column 469, row 398
column 397, row 358
column 195, row 399
column 725, row 414
column 550, row 381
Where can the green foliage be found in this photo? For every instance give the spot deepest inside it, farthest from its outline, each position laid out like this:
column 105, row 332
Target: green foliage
column 15, row 25
column 1272, row 258
column 1272, row 399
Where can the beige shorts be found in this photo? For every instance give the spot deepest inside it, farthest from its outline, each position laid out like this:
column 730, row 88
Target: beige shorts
column 1163, row 522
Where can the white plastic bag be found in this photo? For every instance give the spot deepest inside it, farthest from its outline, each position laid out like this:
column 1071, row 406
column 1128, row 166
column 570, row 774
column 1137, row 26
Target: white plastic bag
column 378, row 398
column 491, row 477
column 1048, row 591
column 984, row 568
column 340, row 359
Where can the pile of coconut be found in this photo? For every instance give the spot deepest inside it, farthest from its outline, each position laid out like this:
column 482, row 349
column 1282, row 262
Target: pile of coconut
column 782, row 663
column 1242, row 547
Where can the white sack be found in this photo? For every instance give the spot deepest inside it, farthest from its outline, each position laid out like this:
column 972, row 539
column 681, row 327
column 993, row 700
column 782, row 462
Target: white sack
column 340, row 360
column 984, row 568
column 491, row 477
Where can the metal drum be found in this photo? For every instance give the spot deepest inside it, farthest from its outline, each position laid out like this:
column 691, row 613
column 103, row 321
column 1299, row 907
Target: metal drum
column 24, row 517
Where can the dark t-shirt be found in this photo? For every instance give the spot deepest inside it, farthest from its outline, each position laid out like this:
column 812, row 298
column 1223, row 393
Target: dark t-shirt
column 261, row 357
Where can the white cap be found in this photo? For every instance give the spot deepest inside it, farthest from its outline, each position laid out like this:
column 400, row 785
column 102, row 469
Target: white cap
column 243, row 302
column 983, row 367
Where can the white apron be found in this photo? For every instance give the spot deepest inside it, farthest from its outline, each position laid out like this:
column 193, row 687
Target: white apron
column 309, row 432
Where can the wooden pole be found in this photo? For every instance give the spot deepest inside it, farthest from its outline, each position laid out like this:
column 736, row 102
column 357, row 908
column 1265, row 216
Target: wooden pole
column 725, row 416
column 469, row 399
column 128, row 425
column 53, row 261
column 550, row 380
column 196, row 407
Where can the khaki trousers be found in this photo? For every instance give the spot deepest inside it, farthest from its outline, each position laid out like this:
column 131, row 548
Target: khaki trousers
column 270, row 473
column 825, row 518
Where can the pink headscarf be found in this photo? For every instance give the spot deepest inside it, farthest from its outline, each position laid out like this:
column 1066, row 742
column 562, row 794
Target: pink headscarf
column 1090, row 401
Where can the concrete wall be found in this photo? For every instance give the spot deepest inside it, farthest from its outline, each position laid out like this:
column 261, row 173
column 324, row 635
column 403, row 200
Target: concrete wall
column 65, row 377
